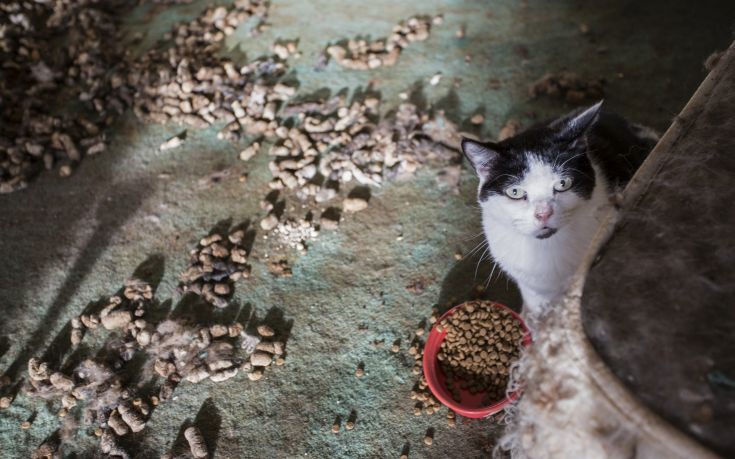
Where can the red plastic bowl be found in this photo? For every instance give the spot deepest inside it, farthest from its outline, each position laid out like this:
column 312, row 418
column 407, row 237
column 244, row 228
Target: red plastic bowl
column 471, row 405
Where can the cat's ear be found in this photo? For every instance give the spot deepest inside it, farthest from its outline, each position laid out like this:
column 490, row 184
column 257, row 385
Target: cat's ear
column 482, row 155
column 573, row 125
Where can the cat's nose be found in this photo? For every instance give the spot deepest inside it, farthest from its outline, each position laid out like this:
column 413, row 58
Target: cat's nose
column 543, row 213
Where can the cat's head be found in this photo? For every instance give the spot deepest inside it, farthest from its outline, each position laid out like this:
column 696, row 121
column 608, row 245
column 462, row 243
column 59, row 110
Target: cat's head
column 536, row 180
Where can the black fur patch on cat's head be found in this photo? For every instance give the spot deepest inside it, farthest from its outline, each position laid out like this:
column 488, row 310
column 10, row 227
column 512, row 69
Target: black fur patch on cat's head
column 560, row 143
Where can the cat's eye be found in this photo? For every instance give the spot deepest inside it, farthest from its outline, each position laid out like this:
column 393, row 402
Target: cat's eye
column 563, row 184
column 514, row 192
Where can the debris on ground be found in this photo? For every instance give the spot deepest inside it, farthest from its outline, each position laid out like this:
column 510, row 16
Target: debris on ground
column 569, row 86
column 360, row 54
column 352, row 205
column 451, row 418
column 218, row 261
column 124, row 312
column 187, row 83
column 280, row 268
column 429, row 437
column 177, row 349
column 197, row 445
column 49, row 449
column 174, row 142
column 190, row 84
column 297, row 233
column 329, row 219
column 332, row 144
column 182, row 351
column 286, row 48
column 425, row 402
column 36, row 132
column 509, row 129
column 335, row 143
column 316, row 148
column 250, row 151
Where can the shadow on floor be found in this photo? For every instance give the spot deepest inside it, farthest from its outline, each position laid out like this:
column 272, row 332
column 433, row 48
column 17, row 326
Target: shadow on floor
column 472, row 278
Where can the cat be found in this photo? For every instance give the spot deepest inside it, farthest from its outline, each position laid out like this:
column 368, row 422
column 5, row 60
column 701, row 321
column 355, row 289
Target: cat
column 543, row 192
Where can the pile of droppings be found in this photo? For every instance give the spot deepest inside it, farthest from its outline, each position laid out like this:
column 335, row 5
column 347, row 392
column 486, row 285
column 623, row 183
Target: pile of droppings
column 197, row 445
column 335, row 143
column 190, row 84
column 178, row 350
column 215, row 264
column 329, row 143
column 35, row 132
column 362, row 55
column 194, row 353
column 187, row 82
column 317, row 147
column 569, row 86
column 481, row 344
column 119, row 312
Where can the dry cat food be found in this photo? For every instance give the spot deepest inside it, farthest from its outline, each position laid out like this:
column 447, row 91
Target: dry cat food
column 425, row 402
column 481, row 344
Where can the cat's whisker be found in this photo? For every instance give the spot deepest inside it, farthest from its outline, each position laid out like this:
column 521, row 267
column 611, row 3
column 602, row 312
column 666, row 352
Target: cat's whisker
column 472, row 252
column 568, row 159
column 477, row 267
column 481, row 233
column 490, row 277
column 479, row 246
column 581, row 173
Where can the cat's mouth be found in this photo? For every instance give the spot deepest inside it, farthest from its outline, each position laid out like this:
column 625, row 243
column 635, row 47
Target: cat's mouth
column 545, row 233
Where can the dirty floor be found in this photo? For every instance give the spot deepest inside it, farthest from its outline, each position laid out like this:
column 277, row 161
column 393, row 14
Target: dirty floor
column 67, row 242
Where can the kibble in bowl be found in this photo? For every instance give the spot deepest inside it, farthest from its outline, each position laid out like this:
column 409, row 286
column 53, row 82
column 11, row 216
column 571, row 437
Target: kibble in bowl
column 468, row 355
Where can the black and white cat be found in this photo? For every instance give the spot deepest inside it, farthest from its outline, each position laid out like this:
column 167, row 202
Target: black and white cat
column 543, row 192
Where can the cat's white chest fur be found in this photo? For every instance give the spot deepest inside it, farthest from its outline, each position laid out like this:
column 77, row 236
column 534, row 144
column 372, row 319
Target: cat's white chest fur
column 542, row 268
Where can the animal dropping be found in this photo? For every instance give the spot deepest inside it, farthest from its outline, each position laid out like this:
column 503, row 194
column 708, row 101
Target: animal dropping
column 197, row 445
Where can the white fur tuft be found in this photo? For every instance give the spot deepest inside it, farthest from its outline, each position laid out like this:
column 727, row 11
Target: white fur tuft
column 561, row 414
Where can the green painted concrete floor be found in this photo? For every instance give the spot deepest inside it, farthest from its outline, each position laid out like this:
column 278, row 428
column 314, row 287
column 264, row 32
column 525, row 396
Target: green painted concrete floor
column 67, row 242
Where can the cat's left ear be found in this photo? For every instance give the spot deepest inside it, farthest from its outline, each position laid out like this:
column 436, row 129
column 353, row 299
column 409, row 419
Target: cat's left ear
column 482, row 155
column 573, row 125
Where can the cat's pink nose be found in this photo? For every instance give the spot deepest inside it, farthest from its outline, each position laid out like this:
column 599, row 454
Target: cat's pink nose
column 543, row 213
